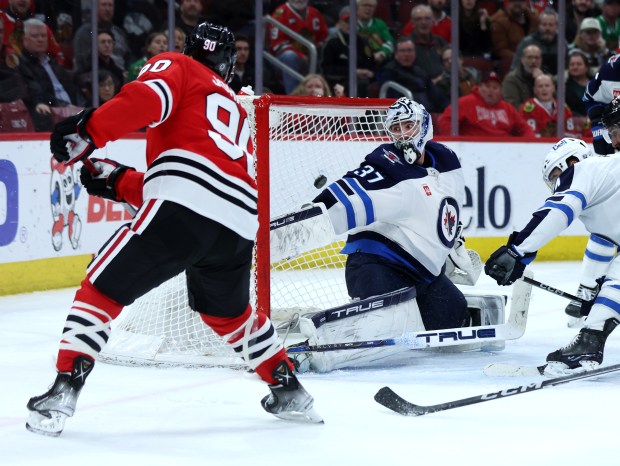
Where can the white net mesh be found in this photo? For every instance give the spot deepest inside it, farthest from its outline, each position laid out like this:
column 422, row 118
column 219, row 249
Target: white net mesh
column 312, row 143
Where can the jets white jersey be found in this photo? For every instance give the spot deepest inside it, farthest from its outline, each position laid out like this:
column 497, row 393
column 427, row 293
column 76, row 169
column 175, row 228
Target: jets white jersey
column 589, row 191
column 405, row 213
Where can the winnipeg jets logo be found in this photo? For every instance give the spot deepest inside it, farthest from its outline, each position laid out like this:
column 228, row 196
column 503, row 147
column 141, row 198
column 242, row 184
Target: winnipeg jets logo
column 447, row 220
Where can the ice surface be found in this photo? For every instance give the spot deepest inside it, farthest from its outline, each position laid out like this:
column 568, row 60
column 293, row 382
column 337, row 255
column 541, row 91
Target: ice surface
column 147, row 416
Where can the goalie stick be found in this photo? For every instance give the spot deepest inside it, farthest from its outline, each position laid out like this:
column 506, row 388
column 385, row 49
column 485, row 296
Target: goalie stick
column 388, row 398
column 511, row 330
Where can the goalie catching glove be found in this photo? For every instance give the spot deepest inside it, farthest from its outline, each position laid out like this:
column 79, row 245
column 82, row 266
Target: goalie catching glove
column 70, row 142
column 506, row 265
column 103, row 182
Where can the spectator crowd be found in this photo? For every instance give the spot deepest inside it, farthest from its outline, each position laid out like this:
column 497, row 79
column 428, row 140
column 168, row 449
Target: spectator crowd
column 507, row 65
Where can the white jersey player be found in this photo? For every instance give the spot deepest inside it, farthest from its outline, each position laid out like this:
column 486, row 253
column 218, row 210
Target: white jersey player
column 401, row 208
column 586, row 188
column 600, row 91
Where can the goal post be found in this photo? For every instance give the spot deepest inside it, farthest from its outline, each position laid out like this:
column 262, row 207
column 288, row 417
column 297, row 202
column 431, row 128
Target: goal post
column 302, row 144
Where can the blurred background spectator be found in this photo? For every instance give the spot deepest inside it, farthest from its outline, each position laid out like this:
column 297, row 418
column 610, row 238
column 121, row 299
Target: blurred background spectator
column 189, row 15
column 374, row 31
column 610, row 26
column 441, row 25
column 13, row 17
column 105, row 59
column 546, row 37
column 518, row 85
column 474, row 30
column 590, row 41
column 485, row 113
column 48, row 83
column 541, row 111
column 313, row 85
column 121, row 53
column 179, row 39
column 468, row 77
column 578, row 76
column 576, row 12
column 509, row 26
column 403, row 70
column 306, row 21
column 106, row 88
column 335, row 62
column 156, row 43
column 428, row 46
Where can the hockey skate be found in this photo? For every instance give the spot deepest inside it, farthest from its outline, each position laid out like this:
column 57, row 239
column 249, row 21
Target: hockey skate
column 49, row 411
column 584, row 353
column 573, row 310
column 288, row 400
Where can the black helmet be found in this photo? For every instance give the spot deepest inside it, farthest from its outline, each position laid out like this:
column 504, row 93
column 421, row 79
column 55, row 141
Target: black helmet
column 213, row 46
column 611, row 113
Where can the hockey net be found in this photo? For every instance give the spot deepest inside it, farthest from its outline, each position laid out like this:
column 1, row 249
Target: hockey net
column 302, row 145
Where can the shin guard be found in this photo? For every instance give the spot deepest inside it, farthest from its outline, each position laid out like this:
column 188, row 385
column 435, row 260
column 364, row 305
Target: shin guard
column 252, row 336
column 87, row 328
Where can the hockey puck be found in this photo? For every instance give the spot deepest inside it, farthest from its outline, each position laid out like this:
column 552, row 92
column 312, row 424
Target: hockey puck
column 320, row 181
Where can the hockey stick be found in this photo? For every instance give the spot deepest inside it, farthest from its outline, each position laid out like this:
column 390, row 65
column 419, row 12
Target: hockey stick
column 388, row 398
column 90, row 166
column 511, row 330
column 553, row 290
column 515, row 370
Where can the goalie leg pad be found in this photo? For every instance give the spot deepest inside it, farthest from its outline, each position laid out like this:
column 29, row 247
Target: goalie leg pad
column 387, row 322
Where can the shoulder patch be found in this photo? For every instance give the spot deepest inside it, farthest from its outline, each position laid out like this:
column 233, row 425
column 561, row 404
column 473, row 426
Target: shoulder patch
column 529, row 107
column 391, row 156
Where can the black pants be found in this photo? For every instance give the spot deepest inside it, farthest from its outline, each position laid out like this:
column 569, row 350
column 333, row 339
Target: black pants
column 441, row 303
column 217, row 260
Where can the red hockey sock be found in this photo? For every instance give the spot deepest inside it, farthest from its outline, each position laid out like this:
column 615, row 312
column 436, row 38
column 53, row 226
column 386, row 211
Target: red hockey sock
column 87, row 327
column 263, row 351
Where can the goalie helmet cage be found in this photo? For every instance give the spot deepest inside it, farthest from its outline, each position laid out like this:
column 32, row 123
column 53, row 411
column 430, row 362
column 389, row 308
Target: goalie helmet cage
column 302, row 144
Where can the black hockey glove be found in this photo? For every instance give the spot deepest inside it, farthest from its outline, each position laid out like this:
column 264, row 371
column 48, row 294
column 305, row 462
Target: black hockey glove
column 70, row 142
column 103, row 183
column 506, row 265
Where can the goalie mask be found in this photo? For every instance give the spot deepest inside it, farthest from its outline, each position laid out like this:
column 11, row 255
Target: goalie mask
column 410, row 127
column 560, row 156
column 213, row 46
column 611, row 121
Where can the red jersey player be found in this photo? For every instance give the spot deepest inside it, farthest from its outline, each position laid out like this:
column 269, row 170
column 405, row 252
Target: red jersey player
column 197, row 213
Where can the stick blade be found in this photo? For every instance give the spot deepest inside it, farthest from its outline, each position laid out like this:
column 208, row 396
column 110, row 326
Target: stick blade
column 388, row 398
column 512, row 370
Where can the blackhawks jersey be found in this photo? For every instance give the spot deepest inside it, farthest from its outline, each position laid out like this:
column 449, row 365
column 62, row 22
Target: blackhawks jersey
column 313, row 27
column 199, row 152
column 405, row 213
column 588, row 191
column 543, row 121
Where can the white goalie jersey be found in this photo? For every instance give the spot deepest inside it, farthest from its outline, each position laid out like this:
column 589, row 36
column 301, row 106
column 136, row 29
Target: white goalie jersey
column 406, row 213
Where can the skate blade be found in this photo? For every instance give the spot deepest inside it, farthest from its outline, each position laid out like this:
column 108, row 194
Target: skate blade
column 559, row 369
column 308, row 417
column 575, row 322
column 51, row 426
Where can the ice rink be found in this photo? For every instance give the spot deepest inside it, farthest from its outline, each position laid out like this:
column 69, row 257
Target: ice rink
column 147, row 416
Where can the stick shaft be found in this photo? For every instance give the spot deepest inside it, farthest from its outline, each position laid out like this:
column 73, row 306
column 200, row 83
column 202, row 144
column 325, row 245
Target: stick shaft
column 553, row 290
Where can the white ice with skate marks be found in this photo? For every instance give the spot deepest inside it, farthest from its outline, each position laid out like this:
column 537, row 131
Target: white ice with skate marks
column 213, row 416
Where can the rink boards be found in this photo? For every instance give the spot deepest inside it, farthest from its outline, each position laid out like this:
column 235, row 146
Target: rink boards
column 50, row 227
